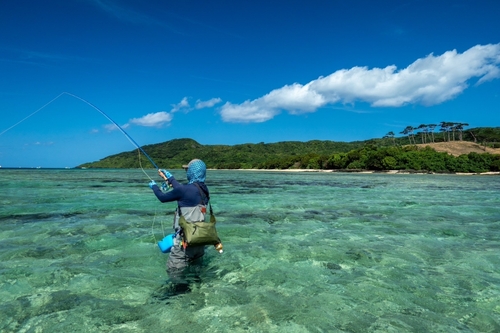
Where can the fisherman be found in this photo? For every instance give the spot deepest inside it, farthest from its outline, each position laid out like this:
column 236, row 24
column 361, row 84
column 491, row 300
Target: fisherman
column 184, row 263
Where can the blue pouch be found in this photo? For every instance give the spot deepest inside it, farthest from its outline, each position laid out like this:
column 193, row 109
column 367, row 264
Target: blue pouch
column 166, row 243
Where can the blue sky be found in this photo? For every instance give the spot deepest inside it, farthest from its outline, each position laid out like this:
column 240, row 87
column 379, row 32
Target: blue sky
column 232, row 72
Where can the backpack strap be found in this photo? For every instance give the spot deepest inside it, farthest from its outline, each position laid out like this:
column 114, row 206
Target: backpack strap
column 204, row 195
column 202, row 192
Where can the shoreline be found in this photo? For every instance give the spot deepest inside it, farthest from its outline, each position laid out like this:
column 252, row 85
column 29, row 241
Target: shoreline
column 358, row 171
column 389, row 172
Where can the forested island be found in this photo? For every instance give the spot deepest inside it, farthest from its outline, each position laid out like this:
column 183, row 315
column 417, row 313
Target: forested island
column 414, row 151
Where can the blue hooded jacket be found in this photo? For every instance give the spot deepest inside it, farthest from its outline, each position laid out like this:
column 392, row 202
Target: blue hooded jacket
column 187, row 195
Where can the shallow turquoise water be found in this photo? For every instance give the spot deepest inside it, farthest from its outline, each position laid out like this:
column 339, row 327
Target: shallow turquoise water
column 304, row 252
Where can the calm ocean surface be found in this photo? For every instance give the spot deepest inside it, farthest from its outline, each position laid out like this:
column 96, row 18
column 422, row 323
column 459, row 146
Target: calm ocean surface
column 303, row 252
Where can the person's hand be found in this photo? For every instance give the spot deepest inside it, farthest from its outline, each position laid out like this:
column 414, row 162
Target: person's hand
column 164, row 174
column 151, row 183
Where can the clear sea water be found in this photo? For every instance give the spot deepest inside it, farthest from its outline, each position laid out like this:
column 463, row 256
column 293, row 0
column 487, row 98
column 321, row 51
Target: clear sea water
column 303, row 252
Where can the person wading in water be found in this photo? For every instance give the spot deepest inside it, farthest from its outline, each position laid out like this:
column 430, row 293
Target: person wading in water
column 184, row 263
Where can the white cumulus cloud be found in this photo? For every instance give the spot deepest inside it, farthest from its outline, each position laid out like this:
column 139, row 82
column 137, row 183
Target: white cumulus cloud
column 182, row 105
column 152, row 119
column 207, row 104
column 158, row 119
column 427, row 81
column 112, row 127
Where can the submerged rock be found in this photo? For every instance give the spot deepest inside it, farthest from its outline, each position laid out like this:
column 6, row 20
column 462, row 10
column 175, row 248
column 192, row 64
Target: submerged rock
column 332, row 266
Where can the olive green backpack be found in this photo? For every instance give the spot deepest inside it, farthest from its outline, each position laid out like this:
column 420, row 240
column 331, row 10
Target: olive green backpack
column 199, row 233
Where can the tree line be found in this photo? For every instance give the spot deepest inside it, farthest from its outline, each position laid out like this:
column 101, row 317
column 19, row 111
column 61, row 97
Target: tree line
column 426, row 132
column 373, row 157
column 377, row 154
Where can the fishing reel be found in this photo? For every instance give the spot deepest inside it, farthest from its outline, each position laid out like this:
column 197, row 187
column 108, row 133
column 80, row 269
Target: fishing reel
column 165, row 186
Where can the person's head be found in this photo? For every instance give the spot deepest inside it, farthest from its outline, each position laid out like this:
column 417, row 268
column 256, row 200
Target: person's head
column 196, row 171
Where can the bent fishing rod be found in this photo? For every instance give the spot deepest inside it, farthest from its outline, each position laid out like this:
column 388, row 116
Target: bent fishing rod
column 101, row 112
column 119, row 127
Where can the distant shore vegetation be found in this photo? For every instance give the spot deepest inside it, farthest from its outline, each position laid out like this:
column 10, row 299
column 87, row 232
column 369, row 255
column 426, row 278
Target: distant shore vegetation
column 387, row 153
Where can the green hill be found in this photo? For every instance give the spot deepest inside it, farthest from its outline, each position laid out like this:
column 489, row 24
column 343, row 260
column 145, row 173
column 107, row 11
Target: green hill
column 376, row 154
column 174, row 153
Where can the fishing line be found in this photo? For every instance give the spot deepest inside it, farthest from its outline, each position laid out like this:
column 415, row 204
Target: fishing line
column 140, row 164
column 119, row 127
column 31, row 114
column 139, row 149
column 153, row 230
column 101, row 112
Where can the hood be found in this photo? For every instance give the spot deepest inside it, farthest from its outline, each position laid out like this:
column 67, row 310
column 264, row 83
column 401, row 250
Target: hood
column 196, row 171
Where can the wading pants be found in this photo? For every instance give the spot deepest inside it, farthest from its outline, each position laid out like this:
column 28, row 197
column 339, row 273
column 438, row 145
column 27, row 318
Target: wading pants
column 183, row 266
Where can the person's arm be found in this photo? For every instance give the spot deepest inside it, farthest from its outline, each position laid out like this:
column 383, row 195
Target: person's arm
column 168, row 177
column 173, row 195
column 172, row 181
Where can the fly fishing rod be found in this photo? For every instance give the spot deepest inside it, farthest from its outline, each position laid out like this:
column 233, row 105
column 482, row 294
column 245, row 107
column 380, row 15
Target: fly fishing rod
column 160, row 172
column 101, row 112
column 119, row 127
